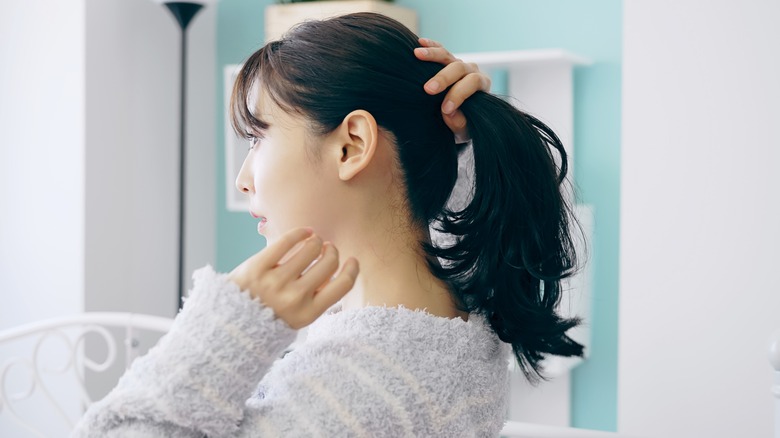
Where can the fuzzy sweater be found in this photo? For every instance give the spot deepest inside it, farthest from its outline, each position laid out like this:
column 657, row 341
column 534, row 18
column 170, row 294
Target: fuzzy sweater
column 369, row 372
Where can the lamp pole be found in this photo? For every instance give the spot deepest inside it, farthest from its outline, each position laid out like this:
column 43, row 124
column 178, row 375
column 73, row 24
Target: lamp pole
column 183, row 12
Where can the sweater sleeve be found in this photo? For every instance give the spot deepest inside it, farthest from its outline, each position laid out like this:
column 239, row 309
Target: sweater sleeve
column 196, row 380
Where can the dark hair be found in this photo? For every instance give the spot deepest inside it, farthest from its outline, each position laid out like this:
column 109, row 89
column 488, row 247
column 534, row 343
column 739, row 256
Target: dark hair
column 512, row 242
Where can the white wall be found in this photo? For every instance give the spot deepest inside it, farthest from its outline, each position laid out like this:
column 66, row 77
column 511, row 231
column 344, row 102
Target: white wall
column 89, row 123
column 42, row 124
column 41, row 159
column 202, row 114
column 89, row 103
column 132, row 143
column 132, row 153
column 700, row 217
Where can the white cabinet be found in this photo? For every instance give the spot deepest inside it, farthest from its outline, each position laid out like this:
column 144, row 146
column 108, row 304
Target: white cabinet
column 540, row 82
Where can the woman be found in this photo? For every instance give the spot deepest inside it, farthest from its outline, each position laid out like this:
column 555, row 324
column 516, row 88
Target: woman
column 349, row 150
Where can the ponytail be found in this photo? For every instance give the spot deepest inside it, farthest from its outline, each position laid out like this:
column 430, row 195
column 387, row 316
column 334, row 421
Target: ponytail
column 512, row 241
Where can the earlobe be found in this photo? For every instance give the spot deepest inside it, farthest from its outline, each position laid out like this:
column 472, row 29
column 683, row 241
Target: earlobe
column 359, row 137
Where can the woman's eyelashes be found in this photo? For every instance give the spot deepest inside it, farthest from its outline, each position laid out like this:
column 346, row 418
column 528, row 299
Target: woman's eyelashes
column 252, row 142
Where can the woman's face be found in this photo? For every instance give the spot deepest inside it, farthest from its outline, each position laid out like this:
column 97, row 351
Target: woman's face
column 286, row 188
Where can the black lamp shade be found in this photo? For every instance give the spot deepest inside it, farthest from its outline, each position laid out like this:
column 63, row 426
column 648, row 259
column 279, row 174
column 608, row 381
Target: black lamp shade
column 183, row 11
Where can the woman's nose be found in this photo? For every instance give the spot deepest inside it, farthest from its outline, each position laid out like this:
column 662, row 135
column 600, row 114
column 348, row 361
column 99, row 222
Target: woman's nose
column 244, row 188
column 244, row 180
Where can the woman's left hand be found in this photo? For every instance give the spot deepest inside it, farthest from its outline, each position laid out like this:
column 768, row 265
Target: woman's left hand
column 465, row 79
column 296, row 277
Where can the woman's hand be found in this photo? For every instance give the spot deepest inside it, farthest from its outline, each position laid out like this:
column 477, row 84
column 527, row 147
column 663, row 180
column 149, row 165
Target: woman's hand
column 279, row 277
column 465, row 78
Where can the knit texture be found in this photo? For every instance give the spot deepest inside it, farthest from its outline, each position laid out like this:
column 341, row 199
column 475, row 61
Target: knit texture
column 368, row 372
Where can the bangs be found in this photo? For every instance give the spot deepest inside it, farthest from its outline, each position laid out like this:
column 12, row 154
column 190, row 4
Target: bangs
column 265, row 68
column 245, row 124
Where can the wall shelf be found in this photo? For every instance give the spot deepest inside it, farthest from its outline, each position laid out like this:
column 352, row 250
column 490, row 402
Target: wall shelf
column 539, row 82
column 523, row 58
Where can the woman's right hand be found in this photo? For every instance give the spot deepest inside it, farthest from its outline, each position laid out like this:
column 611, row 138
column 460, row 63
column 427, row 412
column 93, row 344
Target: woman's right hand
column 465, row 79
column 279, row 277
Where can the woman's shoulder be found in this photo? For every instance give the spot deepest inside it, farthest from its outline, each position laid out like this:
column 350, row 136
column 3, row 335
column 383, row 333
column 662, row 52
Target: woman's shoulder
column 400, row 332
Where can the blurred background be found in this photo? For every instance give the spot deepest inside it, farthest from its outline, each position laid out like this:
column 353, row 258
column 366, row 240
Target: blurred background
column 675, row 122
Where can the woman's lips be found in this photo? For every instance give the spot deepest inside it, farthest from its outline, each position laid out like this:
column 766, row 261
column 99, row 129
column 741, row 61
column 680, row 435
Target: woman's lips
column 261, row 224
column 263, row 221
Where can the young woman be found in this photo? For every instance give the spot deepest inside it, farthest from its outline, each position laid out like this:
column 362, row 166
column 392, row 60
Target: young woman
column 349, row 150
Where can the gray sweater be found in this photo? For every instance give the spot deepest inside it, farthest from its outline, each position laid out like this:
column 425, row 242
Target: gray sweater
column 367, row 372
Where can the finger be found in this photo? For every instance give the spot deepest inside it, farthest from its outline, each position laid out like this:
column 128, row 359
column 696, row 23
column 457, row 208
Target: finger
column 292, row 269
column 270, row 256
column 287, row 256
column 427, row 42
column 449, row 75
column 435, row 54
column 336, row 288
column 463, row 89
column 322, row 270
column 457, row 124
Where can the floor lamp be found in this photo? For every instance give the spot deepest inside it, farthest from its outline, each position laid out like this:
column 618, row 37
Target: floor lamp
column 183, row 12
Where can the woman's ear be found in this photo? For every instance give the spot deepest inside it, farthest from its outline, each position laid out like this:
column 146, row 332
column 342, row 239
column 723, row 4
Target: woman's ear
column 357, row 138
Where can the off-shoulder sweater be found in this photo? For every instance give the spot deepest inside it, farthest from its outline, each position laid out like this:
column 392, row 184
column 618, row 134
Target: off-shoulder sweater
column 368, row 372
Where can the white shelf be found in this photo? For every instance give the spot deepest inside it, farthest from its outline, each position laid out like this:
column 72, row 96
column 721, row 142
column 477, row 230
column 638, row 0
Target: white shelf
column 540, row 82
column 522, row 58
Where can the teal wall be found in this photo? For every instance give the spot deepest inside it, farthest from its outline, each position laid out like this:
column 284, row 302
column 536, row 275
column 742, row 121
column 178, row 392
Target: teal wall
column 592, row 29
column 240, row 31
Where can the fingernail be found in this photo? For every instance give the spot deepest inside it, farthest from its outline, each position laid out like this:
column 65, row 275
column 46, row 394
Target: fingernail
column 433, row 85
column 448, row 107
column 423, row 52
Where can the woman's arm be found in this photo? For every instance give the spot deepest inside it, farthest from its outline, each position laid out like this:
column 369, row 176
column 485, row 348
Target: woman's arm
column 232, row 328
column 200, row 379
column 196, row 380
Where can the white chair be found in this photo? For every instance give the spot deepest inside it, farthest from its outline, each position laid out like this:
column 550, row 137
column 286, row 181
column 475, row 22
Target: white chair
column 45, row 393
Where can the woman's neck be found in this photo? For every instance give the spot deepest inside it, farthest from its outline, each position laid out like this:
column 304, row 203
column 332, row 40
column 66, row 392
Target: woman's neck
column 393, row 271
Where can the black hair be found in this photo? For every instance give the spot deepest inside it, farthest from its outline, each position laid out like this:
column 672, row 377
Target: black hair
column 512, row 243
